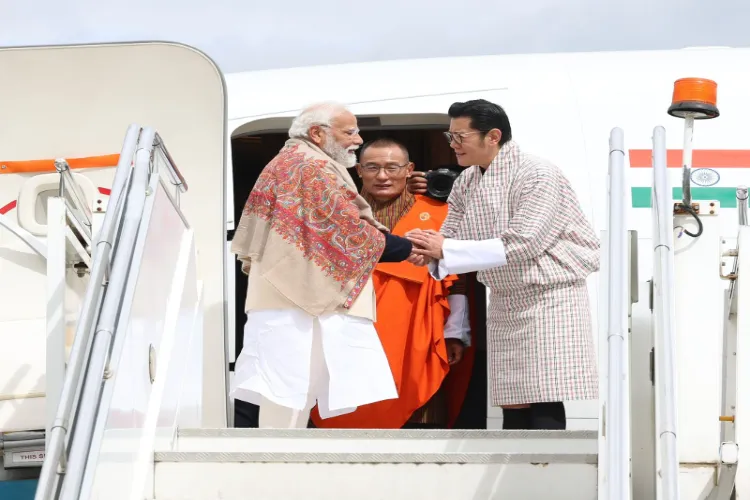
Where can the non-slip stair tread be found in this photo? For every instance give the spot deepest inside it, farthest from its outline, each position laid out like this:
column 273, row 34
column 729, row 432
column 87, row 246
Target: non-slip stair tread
column 407, row 458
column 386, row 434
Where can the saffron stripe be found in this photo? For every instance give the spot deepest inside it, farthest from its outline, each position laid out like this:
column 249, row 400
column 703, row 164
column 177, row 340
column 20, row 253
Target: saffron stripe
column 702, row 158
column 726, row 196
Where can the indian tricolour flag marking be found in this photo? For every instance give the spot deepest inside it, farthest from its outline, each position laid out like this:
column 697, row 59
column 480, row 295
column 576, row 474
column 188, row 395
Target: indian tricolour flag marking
column 723, row 170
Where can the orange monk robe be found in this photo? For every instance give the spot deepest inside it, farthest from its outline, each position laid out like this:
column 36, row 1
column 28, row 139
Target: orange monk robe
column 411, row 312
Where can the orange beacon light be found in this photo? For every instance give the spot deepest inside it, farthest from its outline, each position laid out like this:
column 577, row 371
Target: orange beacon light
column 692, row 99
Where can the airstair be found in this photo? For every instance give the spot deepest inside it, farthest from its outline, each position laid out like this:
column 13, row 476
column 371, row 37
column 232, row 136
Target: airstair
column 124, row 345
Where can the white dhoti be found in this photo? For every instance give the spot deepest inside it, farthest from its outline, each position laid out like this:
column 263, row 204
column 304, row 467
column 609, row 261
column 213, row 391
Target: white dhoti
column 290, row 360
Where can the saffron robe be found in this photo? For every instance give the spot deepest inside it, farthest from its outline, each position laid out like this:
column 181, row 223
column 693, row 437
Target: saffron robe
column 412, row 311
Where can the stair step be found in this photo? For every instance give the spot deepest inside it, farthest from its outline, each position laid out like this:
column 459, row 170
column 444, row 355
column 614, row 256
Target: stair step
column 320, row 464
column 235, row 476
column 375, row 458
column 338, row 441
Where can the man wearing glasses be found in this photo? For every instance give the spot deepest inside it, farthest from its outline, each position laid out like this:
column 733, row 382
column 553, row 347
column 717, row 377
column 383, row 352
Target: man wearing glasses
column 422, row 324
column 516, row 220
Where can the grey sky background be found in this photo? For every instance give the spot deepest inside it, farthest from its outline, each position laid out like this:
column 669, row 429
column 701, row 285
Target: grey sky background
column 244, row 35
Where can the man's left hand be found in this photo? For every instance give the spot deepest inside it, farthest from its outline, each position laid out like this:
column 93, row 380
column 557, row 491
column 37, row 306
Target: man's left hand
column 455, row 349
column 417, row 182
column 427, row 242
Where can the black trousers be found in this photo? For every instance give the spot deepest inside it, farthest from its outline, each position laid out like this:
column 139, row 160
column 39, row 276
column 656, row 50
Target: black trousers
column 245, row 414
column 538, row 416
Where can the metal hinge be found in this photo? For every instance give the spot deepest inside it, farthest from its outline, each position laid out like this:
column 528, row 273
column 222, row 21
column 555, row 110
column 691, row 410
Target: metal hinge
column 651, row 294
column 652, row 366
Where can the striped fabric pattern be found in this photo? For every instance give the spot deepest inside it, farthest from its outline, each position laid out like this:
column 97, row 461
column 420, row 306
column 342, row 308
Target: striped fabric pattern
column 539, row 328
column 390, row 212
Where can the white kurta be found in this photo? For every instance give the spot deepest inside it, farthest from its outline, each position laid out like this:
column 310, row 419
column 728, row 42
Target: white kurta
column 294, row 359
column 520, row 226
column 278, row 362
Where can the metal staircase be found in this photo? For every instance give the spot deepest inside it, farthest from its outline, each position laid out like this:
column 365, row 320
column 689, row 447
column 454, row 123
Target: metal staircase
column 136, row 331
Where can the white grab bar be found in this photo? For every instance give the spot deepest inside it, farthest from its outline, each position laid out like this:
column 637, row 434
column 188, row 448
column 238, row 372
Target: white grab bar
column 618, row 401
column 79, row 354
column 664, row 321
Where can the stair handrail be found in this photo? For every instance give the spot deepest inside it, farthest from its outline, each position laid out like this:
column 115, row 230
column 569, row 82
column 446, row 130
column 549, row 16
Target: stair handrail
column 105, row 331
column 59, row 429
column 665, row 357
column 174, row 172
column 79, row 208
column 741, row 195
column 728, row 463
column 618, row 403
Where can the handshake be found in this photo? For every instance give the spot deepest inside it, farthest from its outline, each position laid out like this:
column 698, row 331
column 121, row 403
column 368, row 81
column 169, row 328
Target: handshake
column 426, row 245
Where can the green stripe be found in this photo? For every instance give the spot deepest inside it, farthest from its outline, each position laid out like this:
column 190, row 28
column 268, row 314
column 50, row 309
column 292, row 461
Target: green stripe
column 726, row 196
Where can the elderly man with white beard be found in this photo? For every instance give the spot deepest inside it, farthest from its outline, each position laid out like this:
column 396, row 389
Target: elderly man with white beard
column 309, row 244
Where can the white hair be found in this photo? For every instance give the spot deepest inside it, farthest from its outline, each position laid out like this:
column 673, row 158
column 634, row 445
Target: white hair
column 317, row 114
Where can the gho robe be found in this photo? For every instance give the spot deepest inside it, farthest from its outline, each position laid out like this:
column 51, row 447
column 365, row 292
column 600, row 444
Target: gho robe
column 519, row 224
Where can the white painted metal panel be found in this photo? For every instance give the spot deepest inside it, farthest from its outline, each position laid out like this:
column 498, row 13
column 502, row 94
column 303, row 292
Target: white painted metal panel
column 699, row 304
column 142, row 399
column 77, row 101
column 491, row 479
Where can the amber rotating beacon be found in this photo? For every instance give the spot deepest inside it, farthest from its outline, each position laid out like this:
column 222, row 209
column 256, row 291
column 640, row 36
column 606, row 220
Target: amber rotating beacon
column 692, row 99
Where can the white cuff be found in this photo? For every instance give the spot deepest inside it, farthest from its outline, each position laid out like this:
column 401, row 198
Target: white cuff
column 437, row 269
column 457, row 325
column 465, row 256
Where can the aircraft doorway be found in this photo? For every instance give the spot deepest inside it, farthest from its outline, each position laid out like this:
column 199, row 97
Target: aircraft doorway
column 428, row 149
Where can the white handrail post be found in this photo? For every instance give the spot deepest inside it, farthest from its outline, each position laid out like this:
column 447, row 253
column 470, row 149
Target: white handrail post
column 665, row 368
column 105, row 326
column 687, row 158
column 618, row 407
column 56, row 274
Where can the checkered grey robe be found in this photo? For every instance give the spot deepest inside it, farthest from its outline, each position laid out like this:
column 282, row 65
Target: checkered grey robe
column 538, row 319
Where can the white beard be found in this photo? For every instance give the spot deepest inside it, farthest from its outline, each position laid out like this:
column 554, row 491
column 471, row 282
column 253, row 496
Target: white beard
column 340, row 154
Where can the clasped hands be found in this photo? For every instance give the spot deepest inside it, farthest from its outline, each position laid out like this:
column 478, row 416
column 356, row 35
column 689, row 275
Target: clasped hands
column 427, row 245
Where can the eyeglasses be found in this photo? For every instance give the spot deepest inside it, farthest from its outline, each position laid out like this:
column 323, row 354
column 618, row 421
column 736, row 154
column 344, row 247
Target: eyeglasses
column 390, row 170
column 459, row 136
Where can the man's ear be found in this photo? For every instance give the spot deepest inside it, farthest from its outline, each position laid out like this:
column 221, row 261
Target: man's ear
column 359, row 169
column 409, row 168
column 494, row 136
column 316, row 134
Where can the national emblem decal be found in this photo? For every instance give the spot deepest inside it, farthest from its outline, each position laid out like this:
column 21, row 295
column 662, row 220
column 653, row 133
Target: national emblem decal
column 704, row 177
